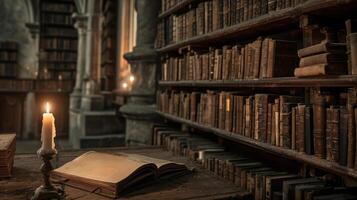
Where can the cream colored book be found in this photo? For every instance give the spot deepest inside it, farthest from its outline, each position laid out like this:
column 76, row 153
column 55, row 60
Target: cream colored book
column 112, row 174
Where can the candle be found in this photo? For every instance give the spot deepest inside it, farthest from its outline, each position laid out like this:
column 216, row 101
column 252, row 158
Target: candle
column 48, row 131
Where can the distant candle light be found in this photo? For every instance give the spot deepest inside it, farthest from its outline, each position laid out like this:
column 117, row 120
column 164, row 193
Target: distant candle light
column 132, row 78
column 125, row 85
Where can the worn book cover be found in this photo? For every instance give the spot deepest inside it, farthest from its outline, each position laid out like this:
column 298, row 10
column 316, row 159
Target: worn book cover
column 112, row 174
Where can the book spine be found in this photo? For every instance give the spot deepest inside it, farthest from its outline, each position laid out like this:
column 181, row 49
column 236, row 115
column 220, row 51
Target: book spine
column 300, row 128
column 351, row 102
column 343, row 129
column 285, row 125
column 319, row 126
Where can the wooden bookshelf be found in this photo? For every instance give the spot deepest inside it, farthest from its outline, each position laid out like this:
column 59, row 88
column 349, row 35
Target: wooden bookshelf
column 323, row 164
column 30, row 85
column 204, row 56
column 254, row 27
column 108, row 64
column 329, row 81
column 178, row 7
column 8, row 59
column 58, row 40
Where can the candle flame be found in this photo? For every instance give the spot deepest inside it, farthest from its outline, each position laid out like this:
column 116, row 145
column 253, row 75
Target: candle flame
column 47, row 107
column 125, row 85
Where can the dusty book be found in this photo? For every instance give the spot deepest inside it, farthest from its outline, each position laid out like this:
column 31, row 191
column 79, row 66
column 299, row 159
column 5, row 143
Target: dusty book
column 324, row 58
column 321, row 69
column 113, row 174
column 7, row 152
column 323, row 47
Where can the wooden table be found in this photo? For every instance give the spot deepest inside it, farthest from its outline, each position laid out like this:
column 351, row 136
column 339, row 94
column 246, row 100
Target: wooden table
column 199, row 185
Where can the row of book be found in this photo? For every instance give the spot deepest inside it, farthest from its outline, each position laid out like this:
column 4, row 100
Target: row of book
column 56, row 19
column 263, row 58
column 60, row 32
column 167, row 4
column 57, row 7
column 324, row 129
column 7, row 153
column 8, row 70
column 8, row 45
column 6, row 55
column 65, row 56
column 213, row 15
column 262, row 181
column 58, row 43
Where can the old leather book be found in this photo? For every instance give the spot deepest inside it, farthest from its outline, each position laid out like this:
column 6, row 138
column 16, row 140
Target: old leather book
column 113, row 174
column 289, row 186
column 343, row 129
column 282, row 58
column 7, row 152
column 257, row 57
column 264, row 59
column 353, row 52
column 324, row 58
column 275, row 184
column 309, row 144
column 323, row 47
column 319, row 117
column 351, row 103
column 350, row 28
column 300, row 128
column 261, row 109
column 332, row 134
column 321, row 69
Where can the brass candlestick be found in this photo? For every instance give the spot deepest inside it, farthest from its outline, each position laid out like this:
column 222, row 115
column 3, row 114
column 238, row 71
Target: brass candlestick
column 47, row 190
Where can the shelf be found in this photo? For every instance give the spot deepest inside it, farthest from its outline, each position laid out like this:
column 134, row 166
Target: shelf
column 60, row 69
column 254, row 27
column 177, row 7
column 55, row 49
column 328, row 81
column 323, row 164
column 60, row 36
column 27, row 85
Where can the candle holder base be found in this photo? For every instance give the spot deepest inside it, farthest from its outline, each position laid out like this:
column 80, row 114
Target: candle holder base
column 45, row 193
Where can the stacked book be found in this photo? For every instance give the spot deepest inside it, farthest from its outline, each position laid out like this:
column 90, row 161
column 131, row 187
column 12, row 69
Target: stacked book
column 7, row 152
column 259, row 179
column 325, row 58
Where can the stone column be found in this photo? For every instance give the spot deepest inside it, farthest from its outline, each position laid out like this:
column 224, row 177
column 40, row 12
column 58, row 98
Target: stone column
column 90, row 125
column 81, row 26
column 30, row 116
column 91, row 99
column 140, row 109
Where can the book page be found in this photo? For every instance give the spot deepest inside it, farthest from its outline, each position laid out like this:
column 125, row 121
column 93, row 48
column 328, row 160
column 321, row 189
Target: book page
column 102, row 167
column 146, row 159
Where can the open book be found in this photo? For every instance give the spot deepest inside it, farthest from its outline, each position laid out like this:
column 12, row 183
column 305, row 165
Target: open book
column 112, row 174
